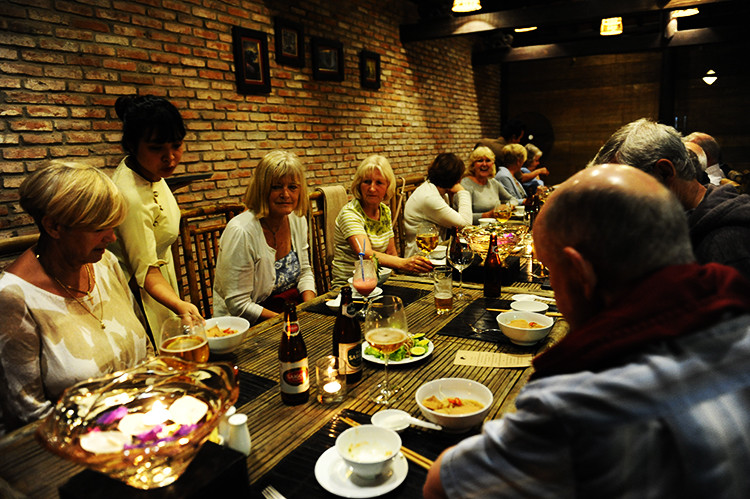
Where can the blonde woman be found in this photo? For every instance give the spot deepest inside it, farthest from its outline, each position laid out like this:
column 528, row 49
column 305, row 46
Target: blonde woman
column 365, row 224
column 263, row 253
column 486, row 192
column 68, row 313
column 514, row 156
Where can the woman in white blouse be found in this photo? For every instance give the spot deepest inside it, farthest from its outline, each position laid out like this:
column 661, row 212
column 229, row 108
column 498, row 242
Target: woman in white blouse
column 431, row 201
column 263, row 252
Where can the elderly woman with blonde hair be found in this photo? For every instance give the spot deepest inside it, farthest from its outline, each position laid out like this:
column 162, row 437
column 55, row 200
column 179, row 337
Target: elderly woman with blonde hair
column 364, row 224
column 263, row 253
column 514, row 156
column 69, row 314
column 486, row 192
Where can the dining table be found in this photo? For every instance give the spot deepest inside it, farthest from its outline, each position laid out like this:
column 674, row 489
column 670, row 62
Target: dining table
column 287, row 442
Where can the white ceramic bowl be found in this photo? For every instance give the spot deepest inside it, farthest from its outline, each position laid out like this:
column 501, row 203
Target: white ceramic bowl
column 529, row 306
column 226, row 344
column 455, row 387
column 366, row 449
column 487, row 221
column 525, row 336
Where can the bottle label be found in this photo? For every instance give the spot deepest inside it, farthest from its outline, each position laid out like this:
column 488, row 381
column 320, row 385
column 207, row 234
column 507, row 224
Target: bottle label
column 295, row 377
column 351, row 354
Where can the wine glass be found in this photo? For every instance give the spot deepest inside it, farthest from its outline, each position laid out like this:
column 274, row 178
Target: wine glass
column 503, row 212
column 460, row 256
column 427, row 237
column 184, row 336
column 364, row 280
column 385, row 330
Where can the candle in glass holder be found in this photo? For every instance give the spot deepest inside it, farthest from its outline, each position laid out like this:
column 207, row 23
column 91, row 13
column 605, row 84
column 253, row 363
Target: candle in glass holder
column 331, row 383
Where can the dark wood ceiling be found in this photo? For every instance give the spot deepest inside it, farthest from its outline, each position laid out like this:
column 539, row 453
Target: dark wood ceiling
column 571, row 27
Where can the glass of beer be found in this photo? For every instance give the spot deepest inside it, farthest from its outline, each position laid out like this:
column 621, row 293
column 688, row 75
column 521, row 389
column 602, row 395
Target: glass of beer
column 184, row 336
column 442, row 278
column 385, row 330
column 503, row 212
column 427, row 237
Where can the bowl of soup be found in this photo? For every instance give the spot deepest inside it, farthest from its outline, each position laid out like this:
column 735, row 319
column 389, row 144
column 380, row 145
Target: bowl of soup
column 225, row 333
column 456, row 404
column 367, row 449
column 525, row 328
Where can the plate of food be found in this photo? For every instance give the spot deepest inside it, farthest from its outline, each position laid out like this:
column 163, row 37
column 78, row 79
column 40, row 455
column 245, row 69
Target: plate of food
column 416, row 348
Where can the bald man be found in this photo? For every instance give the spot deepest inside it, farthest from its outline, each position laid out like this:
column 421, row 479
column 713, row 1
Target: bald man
column 649, row 393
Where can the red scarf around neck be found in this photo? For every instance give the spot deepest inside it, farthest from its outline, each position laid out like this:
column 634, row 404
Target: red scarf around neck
column 673, row 301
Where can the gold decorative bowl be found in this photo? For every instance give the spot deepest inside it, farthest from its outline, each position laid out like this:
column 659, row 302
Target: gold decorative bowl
column 143, row 425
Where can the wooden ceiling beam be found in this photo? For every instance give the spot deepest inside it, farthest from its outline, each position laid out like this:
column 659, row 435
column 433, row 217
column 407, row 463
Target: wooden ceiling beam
column 610, row 45
column 553, row 14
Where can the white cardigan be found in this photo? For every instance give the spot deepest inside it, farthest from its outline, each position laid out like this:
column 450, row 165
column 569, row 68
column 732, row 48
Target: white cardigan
column 245, row 273
column 426, row 204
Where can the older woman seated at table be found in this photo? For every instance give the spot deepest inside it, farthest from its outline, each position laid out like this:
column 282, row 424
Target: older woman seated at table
column 514, row 156
column 486, row 192
column 430, row 202
column 263, row 253
column 69, row 314
column 364, row 224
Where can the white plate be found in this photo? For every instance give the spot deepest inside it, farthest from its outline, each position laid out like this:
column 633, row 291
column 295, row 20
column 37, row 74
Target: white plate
column 407, row 360
column 334, row 304
column 523, row 297
column 334, row 475
column 375, row 292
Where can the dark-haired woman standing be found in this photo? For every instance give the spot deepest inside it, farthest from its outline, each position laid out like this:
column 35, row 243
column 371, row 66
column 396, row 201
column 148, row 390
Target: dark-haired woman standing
column 152, row 137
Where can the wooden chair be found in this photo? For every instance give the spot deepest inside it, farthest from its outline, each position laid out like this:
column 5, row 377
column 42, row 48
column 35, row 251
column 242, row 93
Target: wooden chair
column 324, row 207
column 405, row 186
column 196, row 249
column 11, row 247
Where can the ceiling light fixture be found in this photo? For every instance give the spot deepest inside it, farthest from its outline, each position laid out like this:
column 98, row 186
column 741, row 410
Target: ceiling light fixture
column 524, row 30
column 684, row 13
column 466, row 5
column 710, row 77
column 611, row 26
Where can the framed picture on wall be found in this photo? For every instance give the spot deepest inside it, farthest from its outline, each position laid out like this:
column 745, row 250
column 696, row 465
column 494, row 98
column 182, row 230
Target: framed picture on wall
column 369, row 69
column 327, row 59
column 251, row 61
column 290, row 43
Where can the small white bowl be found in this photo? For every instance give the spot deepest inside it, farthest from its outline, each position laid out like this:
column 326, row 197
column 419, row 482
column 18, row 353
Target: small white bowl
column 525, row 336
column 529, row 306
column 383, row 274
column 487, row 221
column 367, row 449
column 226, row 344
column 455, row 387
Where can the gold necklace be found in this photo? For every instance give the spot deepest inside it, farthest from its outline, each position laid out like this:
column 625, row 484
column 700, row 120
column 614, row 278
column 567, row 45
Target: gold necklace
column 67, row 289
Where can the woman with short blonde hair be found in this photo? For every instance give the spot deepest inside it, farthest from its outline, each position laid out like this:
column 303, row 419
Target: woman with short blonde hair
column 513, row 158
column 486, row 192
column 364, row 224
column 263, row 252
column 69, row 314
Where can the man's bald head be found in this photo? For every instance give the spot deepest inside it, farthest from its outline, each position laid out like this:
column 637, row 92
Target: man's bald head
column 620, row 219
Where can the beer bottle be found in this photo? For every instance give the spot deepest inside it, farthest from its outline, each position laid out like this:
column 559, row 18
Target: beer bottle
column 295, row 376
column 347, row 339
column 492, row 269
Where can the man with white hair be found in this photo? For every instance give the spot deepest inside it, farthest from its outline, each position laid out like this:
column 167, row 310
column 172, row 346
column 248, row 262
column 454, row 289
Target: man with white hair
column 649, row 393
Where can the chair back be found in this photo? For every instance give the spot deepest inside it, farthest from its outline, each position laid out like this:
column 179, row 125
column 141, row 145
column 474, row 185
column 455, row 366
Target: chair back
column 406, row 185
column 325, row 205
column 196, row 249
column 12, row 247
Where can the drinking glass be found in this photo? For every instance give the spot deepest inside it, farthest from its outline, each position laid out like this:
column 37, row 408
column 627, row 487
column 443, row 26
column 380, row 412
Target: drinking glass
column 364, row 280
column 503, row 212
column 460, row 256
column 427, row 237
column 385, row 330
column 184, row 336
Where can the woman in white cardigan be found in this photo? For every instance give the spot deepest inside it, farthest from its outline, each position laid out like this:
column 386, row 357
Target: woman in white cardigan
column 263, row 252
column 430, row 202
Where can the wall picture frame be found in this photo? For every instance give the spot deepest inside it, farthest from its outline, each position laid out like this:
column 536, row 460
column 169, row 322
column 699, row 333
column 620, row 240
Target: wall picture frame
column 327, row 59
column 290, row 42
column 251, row 61
column 369, row 69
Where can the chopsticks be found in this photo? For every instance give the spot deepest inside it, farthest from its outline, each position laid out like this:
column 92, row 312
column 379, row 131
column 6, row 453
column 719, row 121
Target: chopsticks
column 551, row 314
column 409, row 454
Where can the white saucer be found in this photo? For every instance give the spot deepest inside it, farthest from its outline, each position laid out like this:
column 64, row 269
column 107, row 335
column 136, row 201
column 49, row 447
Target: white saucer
column 335, row 476
column 334, row 304
column 526, row 297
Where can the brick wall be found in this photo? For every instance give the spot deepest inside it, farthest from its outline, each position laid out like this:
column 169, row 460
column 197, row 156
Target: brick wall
column 64, row 62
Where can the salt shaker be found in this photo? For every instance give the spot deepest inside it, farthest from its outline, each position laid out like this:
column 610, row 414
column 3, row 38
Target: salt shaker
column 239, row 434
